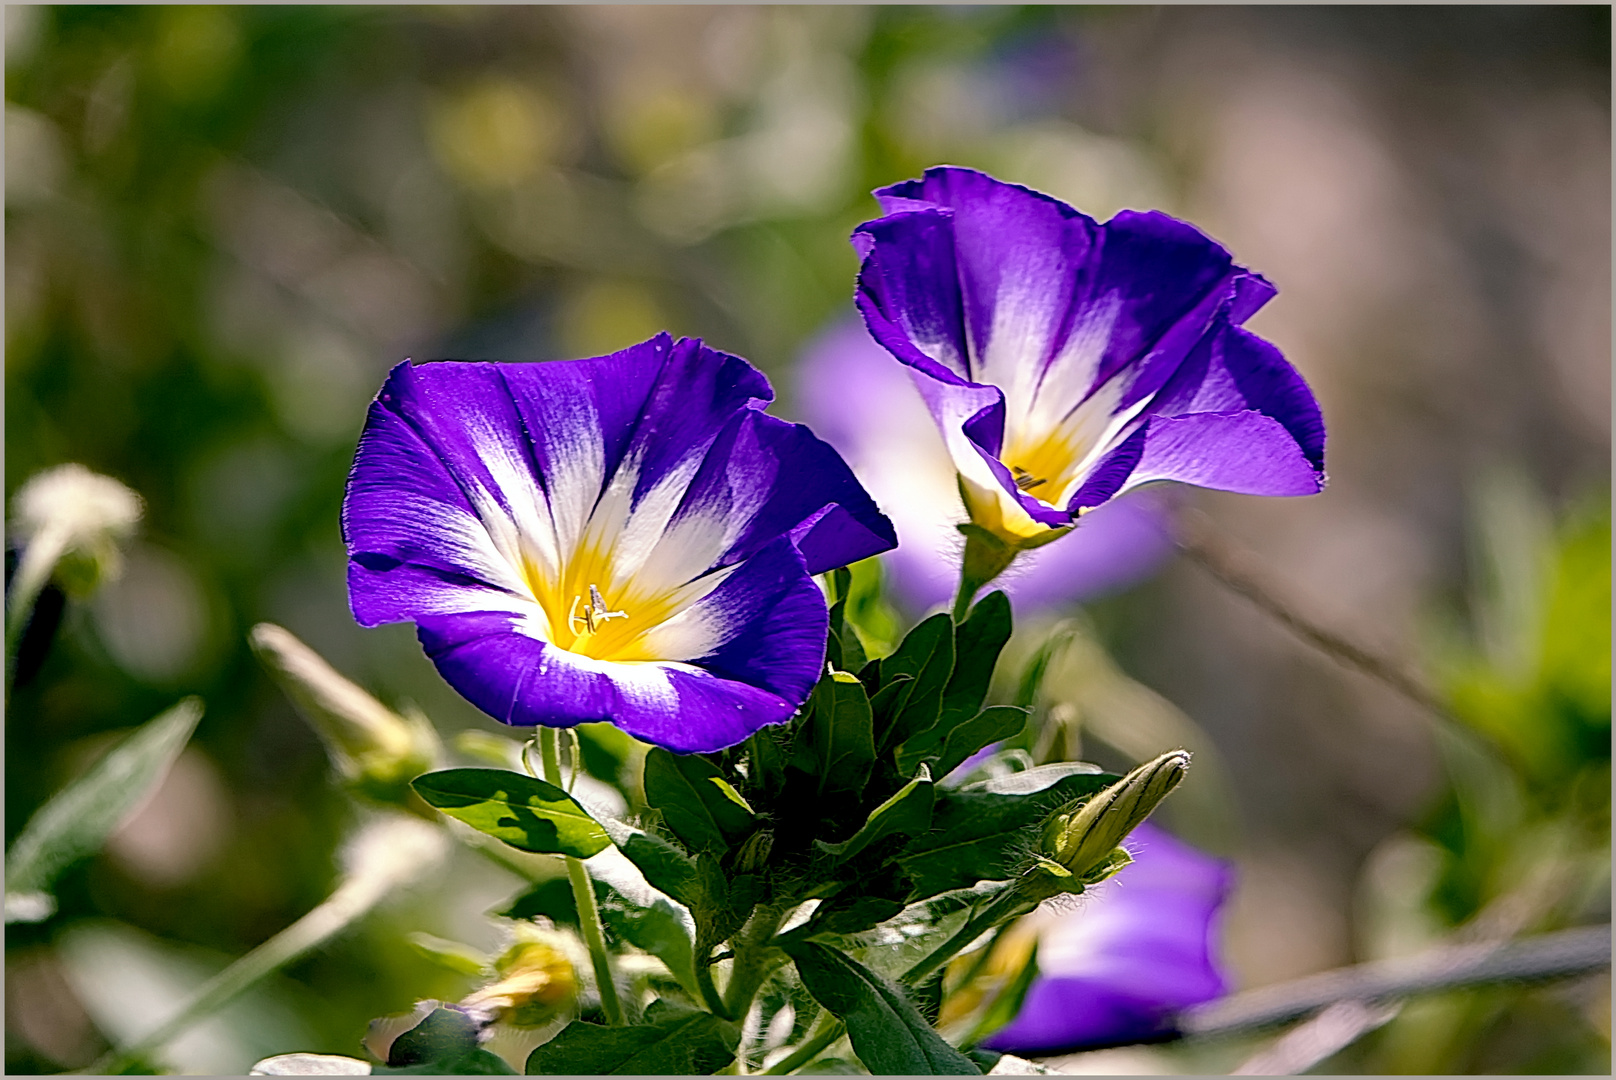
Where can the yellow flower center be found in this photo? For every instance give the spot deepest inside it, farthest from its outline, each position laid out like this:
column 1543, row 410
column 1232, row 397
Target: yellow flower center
column 592, row 614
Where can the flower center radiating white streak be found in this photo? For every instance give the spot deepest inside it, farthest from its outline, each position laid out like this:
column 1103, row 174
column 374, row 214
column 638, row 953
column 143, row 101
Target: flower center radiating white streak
column 641, row 565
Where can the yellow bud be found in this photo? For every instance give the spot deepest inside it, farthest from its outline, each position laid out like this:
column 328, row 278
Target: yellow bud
column 1084, row 840
column 535, row 981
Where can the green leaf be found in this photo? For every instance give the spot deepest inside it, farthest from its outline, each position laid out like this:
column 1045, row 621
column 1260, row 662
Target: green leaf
column 471, row 1063
column 525, row 813
column 721, row 901
column 870, row 900
column 673, row 1041
column 842, row 738
column 843, row 648
column 979, row 831
column 551, row 899
column 1039, row 778
column 664, row 866
column 453, row 955
column 698, row 804
column 657, row 929
column 977, row 644
column 766, row 761
column 444, row 1034
column 908, row 813
column 985, row 728
column 78, row 819
column 926, row 655
column 888, row 1033
column 605, row 748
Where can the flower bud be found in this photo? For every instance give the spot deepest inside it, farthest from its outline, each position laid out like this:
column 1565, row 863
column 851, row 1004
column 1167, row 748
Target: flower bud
column 1083, row 842
column 72, row 521
column 754, row 852
column 373, row 748
column 535, row 981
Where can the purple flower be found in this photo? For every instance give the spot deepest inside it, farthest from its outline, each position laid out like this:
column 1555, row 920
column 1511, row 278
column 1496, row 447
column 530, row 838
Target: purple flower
column 1132, row 952
column 865, row 406
column 1067, row 362
column 628, row 538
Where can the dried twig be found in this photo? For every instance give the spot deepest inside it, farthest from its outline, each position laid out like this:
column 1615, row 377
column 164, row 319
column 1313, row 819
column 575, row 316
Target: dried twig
column 1201, row 540
column 1546, row 956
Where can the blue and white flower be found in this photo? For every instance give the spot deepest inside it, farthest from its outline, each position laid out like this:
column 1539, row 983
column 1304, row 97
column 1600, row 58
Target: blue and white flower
column 628, row 538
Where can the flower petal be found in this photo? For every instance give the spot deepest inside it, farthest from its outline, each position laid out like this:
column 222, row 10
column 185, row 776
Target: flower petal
column 1135, row 950
column 771, row 478
column 744, row 656
column 867, row 408
column 407, row 515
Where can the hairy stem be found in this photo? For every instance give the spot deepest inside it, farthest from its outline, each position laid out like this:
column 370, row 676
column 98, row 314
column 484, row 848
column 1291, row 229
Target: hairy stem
column 583, row 893
column 709, row 991
column 826, row 1030
column 1012, row 903
column 754, row 960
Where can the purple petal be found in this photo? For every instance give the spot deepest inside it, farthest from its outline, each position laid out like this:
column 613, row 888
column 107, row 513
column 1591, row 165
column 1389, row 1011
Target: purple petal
column 480, row 491
column 1234, row 370
column 868, row 409
column 770, row 620
column 782, row 480
column 1033, row 331
column 1134, row 951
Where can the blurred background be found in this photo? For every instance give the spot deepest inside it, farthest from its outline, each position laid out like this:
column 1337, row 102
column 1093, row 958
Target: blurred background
column 224, row 224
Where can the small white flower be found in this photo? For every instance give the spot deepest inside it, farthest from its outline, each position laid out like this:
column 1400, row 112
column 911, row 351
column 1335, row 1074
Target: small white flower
column 82, row 508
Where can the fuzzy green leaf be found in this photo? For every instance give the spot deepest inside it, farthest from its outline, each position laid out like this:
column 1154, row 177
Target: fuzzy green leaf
column 907, row 813
column 839, row 728
column 926, row 655
column 525, row 813
column 664, row 866
column 888, row 1033
column 979, row 831
column 78, row 819
column 696, row 801
column 673, row 1041
column 985, row 728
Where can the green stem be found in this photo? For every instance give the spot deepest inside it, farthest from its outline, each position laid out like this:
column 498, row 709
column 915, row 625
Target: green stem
column 827, row 1029
column 986, row 557
column 38, row 561
column 754, row 960
column 709, row 991
column 351, row 900
column 583, row 893
column 1013, row 903
column 962, row 600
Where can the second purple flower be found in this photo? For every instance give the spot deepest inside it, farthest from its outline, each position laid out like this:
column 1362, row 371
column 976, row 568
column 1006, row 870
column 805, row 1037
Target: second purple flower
column 1067, row 361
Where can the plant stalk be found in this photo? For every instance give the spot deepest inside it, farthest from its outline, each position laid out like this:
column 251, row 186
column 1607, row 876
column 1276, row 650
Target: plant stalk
column 827, row 1029
column 583, row 893
column 752, row 961
column 38, row 561
column 709, row 990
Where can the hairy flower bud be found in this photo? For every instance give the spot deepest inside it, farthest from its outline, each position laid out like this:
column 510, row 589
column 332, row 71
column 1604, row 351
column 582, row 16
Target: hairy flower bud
column 372, row 747
column 754, row 852
column 1083, row 842
column 535, row 981
column 72, row 521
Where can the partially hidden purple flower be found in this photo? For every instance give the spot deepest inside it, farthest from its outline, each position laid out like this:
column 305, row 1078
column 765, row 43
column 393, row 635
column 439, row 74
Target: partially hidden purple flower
column 1115, row 967
column 1066, row 361
column 866, row 406
column 628, row 538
